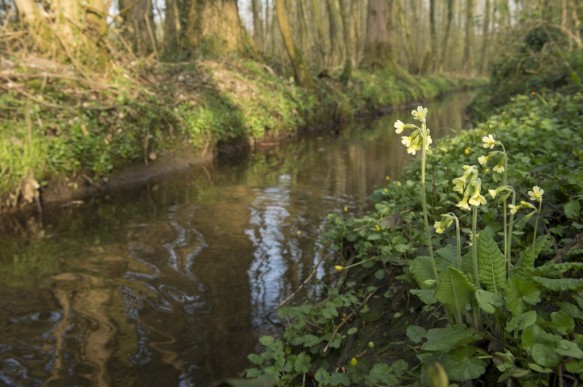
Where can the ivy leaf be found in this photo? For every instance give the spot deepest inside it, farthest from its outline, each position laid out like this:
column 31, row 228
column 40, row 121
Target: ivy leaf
column 461, row 364
column 519, row 292
column 416, row 333
column 488, row 301
column 491, row 264
column 444, row 339
column 569, row 349
column 521, row 322
column 572, row 209
column 545, row 355
column 455, row 289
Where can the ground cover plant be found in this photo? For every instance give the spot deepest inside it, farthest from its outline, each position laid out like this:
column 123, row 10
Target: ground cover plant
column 496, row 281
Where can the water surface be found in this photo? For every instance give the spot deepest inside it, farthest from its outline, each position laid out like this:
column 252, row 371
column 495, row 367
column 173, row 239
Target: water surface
column 169, row 283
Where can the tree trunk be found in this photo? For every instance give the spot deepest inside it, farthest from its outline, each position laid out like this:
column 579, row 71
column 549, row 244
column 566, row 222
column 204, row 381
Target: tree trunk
column 334, row 23
column 485, row 37
column 348, row 33
column 71, row 31
column 138, row 18
column 433, row 35
column 446, row 33
column 378, row 48
column 301, row 73
column 257, row 25
column 322, row 44
column 468, row 59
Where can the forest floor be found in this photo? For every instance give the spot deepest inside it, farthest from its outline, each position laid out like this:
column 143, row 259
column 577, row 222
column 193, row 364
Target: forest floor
column 65, row 135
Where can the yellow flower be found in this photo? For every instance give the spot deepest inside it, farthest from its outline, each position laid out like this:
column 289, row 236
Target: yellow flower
column 493, row 192
column 498, row 168
column 353, row 362
column 439, row 227
column 483, row 160
column 377, row 228
column 467, row 151
column 413, row 148
column 536, row 194
column 463, row 204
column 399, row 126
column 338, row 268
column 513, row 209
column 477, row 199
column 460, row 183
column 489, row 141
column 345, row 208
column 406, row 140
column 420, row 113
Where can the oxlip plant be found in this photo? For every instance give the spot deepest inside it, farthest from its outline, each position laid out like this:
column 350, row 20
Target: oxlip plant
column 490, row 296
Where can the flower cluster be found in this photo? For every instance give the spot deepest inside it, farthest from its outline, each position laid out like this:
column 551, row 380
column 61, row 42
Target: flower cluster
column 443, row 224
column 469, row 185
column 489, row 143
column 414, row 142
column 536, row 195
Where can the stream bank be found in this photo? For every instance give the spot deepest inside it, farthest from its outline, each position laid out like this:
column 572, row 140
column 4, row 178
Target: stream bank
column 65, row 136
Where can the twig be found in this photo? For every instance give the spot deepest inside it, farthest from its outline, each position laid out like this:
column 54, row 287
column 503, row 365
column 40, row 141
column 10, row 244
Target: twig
column 559, row 257
column 347, row 318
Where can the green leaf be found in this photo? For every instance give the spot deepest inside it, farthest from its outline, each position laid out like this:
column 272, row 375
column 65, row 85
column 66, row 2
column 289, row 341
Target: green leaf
column 526, row 260
column 574, row 366
column 521, row 322
column 562, row 322
column 416, row 333
column 519, row 292
column 462, row 364
column 427, row 296
column 382, row 374
column 455, row 290
column 556, row 269
column 303, row 363
column 422, row 270
column 445, row 257
column 444, row 339
column 488, row 301
column 545, row 355
column 352, row 331
column 491, row 264
column 572, row 209
column 569, row 349
column 560, row 284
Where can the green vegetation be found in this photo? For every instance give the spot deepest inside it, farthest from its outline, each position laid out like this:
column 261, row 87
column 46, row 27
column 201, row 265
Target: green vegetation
column 493, row 292
column 74, row 128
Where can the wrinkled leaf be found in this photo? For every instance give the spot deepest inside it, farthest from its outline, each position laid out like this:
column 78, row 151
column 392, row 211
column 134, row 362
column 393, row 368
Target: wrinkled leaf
column 455, row 289
column 491, row 264
column 521, row 322
column 444, row 339
column 488, row 301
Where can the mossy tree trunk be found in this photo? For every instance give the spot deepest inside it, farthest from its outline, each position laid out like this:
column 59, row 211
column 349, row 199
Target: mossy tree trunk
column 347, row 13
column 468, row 59
column 205, row 27
column 378, row 46
column 301, row 73
column 69, row 30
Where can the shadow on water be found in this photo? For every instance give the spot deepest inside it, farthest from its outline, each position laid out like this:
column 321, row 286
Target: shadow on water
column 169, row 283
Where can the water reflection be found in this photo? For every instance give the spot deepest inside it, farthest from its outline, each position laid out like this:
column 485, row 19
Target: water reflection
column 169, row 283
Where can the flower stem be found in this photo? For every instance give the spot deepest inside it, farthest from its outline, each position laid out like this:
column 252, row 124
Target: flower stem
column 459, row 242
column 475, row 245
column 510, row 231
column 424, row 200
column 540, row 204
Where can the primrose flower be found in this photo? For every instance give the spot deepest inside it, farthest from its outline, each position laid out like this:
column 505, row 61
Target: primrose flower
column 527, row 204
column 443, row 224
column 477, row 199
column 493, row 192
column 353, row 362
column 483, row 160
column 420, row 114
column 406, row 140
column 467, row 150
column 463, row 204
column 460, row 183
column 399, row 126
column 499, row 168
column 413, row 148
column 338, row 268
column 514, row 209
column 536, row 194
column 489, row 141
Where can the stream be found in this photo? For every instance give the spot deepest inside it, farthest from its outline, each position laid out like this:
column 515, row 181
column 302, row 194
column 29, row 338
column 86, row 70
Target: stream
column 169, row 283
